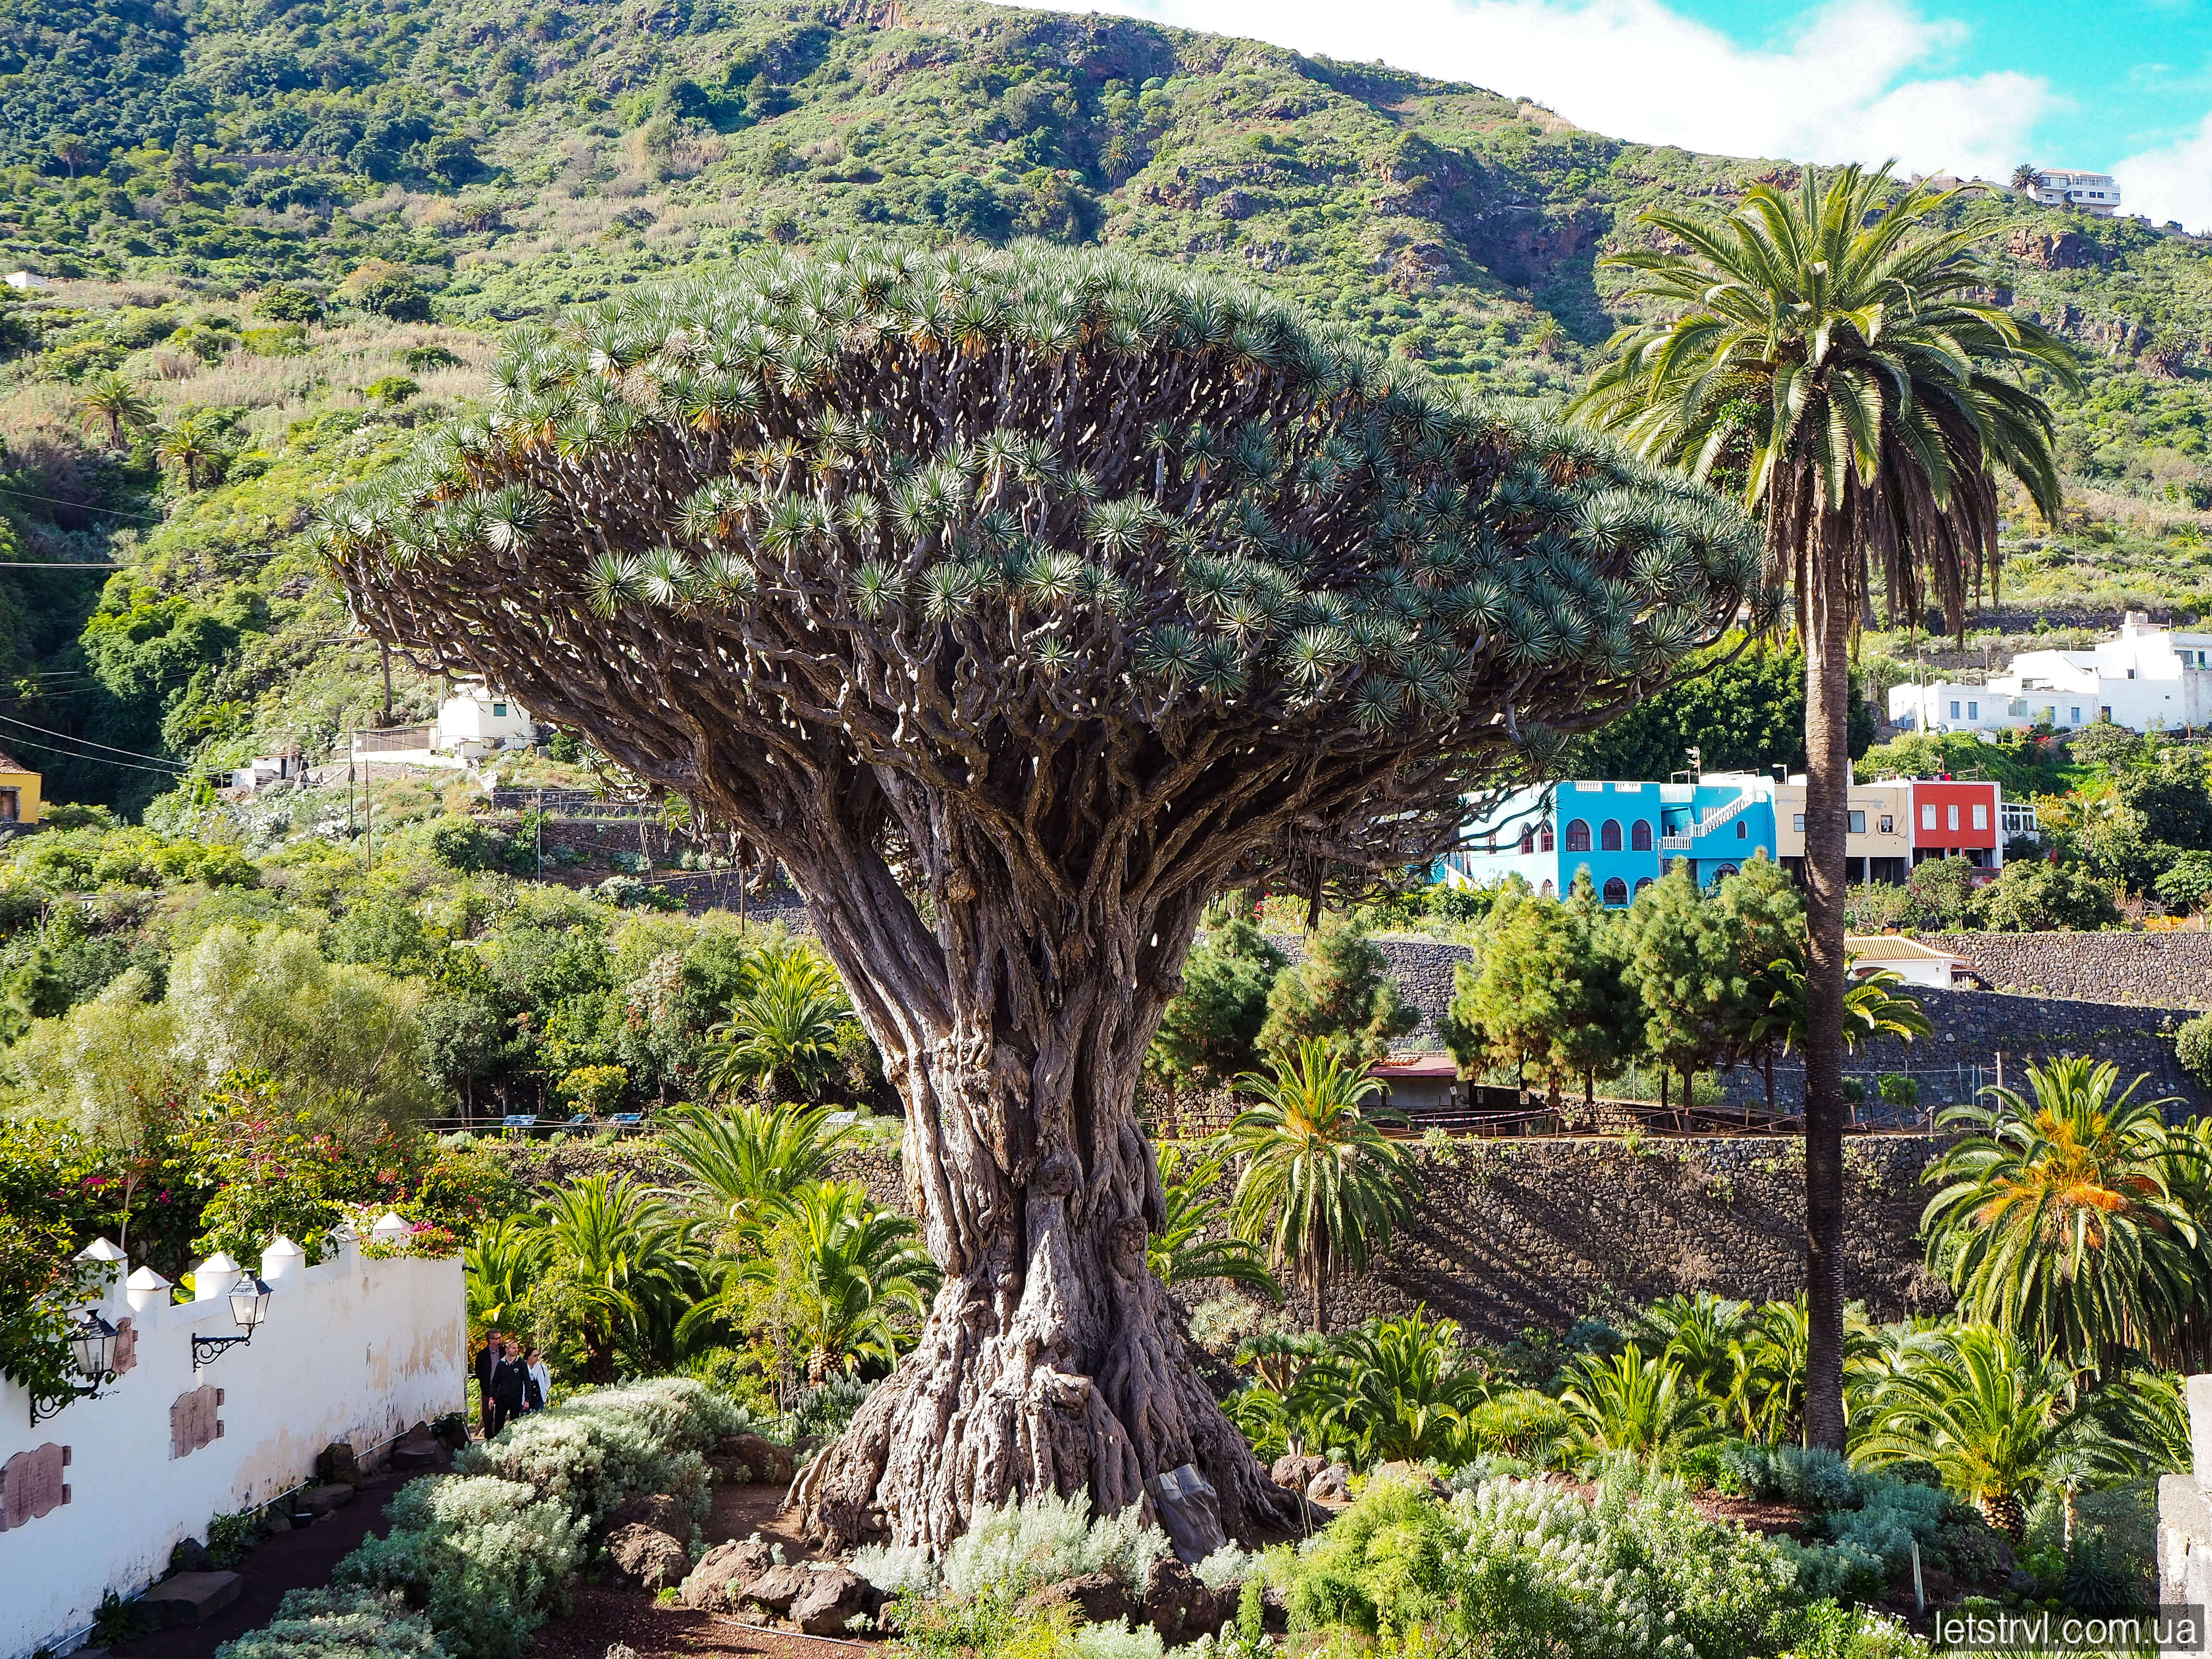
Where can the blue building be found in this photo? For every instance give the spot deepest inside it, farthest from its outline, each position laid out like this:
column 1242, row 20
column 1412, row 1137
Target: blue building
column 1626, row 835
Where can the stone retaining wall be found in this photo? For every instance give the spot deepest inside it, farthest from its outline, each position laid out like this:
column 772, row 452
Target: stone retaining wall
column 2161, row 970
column 1515, row 1234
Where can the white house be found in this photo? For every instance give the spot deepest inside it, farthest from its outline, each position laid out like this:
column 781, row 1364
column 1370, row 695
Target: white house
column 24, row 281
column 477, row 719
column 2092, row 192
column 2146, row 678
column 1908, row 958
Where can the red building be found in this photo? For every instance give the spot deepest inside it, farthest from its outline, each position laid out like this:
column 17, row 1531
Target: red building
column 1958, row 820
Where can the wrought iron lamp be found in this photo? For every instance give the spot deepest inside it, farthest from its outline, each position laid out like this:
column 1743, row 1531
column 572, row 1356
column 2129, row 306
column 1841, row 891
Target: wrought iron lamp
column 249, row 1306
column 92, row 1350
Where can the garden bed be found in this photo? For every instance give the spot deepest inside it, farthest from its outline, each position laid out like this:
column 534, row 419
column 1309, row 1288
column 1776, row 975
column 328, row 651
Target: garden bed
column 599, row 1616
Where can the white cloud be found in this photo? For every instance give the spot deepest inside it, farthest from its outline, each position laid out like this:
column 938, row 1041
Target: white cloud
column 2171, row 183
column 1842, row 88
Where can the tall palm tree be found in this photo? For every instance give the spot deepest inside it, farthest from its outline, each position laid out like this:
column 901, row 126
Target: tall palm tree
column 617, row 1258
column 1993, row 1417
column 2056, row 1219
column 1191, row 1243
column 193, row 443
column 1820, row 347
column 783, row 1023
column 114, row 400
column 1319, row 1186
column 737, row 1160
column 836, row 1274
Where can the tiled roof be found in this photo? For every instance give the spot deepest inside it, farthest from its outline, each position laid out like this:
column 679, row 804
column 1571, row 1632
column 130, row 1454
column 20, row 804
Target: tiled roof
column 1893, row 947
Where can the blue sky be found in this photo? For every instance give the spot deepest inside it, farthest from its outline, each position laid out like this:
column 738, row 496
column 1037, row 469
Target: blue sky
column 1971, row 86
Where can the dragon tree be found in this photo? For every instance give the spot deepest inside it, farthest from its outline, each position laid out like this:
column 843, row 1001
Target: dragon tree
column 1019, row 602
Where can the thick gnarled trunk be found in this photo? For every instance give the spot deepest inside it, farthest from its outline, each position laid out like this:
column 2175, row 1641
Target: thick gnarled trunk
column 1051, row 1359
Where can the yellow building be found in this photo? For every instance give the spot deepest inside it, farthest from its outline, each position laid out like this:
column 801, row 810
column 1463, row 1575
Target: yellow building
column 19, row 793
column 1877, row 837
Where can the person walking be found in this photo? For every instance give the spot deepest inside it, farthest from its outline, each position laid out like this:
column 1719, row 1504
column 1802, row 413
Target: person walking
column 509, row 1384
column 487, row 1362
column 539, row 1394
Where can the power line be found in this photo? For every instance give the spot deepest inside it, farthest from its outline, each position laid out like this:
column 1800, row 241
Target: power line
column 67, row 738
column 83, row 507
column 100, row 760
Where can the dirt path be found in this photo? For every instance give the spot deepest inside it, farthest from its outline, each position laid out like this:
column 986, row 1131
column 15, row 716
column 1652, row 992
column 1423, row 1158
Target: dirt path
column 299, row 1559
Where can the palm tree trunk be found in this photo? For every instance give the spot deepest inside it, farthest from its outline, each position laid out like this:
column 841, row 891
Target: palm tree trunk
column 1823, row 573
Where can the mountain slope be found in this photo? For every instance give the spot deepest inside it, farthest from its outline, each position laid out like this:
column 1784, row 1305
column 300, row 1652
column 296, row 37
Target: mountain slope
column 308, row 220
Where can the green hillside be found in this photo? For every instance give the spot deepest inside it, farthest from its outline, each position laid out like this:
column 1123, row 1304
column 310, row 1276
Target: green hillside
column 300, row 228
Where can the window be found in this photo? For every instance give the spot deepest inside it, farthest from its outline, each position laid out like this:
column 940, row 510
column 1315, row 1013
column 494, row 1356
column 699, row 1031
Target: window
column 1547, row 889
column 1528, row 842
column 1639, row 836
column 1981, row 818
column 1928, row 817
column 1888, row 825
column 1616, row 891
column 1973, row 711
column 1955, row 708
column 1545, row 843
column 1797, row 821
column 1642, row 884
column 1609, row 837
column 1578, row 835
column 1742, row 830
column 1857, row 822
column 2074, row 717
column 499, row 711
column 1952, row 812
column 1724, row 872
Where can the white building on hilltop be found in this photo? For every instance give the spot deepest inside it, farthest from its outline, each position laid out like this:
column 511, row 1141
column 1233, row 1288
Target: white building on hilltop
column 478, row 719
column 2092, row 192
column 2148, row 680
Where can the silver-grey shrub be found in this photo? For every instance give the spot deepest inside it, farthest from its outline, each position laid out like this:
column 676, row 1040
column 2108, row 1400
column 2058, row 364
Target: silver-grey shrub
column 488, row 1559
column 614, row 1444
column 339, row 1624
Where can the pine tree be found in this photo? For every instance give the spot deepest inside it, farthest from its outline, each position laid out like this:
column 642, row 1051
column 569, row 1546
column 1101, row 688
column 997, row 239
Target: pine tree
column 1343, row 993
column 1210, row 1034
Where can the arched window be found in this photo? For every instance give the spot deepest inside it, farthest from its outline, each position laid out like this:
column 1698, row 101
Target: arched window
column 1528, row 841
column 1544, row 841
column 1742, row 830
column 1578, row 835
column 1616, row 890
column 1547, row 889
column 1639, row 836
column 1724, row 873
column 1643, row 882
column 1609, row 837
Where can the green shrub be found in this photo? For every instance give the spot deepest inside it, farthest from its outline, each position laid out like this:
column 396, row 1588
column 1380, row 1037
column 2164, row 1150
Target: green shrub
column 419, row 358
column 2192, row 1047
column 391, row 390
column 1896, row 1515
column 1834, row 1572
column 601, row 1448
column 488, row 1559
column 339, row 1624
column 283, row 340
column 1526, row 1567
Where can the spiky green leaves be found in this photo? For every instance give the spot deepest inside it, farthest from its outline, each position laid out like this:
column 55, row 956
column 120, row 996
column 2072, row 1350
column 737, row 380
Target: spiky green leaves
column 1143, row 489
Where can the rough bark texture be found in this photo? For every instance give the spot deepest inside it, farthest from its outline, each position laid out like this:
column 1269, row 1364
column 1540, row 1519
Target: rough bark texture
column 1827, row 780
column 1018, row 604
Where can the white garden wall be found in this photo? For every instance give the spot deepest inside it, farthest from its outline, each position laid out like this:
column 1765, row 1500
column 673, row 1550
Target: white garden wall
column 93, row 1499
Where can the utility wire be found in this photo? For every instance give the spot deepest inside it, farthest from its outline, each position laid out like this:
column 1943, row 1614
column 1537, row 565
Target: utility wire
column 84, row 506
column 98, row 760
column 67, row 738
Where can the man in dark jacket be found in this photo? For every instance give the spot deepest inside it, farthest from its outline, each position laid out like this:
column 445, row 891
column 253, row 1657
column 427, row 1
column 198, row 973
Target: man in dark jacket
column 487, row 1362
column 510, row 1381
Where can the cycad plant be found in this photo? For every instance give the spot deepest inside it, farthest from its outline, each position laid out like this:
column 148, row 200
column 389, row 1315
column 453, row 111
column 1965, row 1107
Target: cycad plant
column 736, row 1160
column 1637, row 1402
column 1992, row 1416
column 1393, row 1388
column 1318, row 1184
column 1698, row 1332
column 838, row 1279
column 1192, row 1242
column 1825, row 350
column 619, row 1261
column 783, row 1026
column 501, row 1264
column 2056, row 1218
